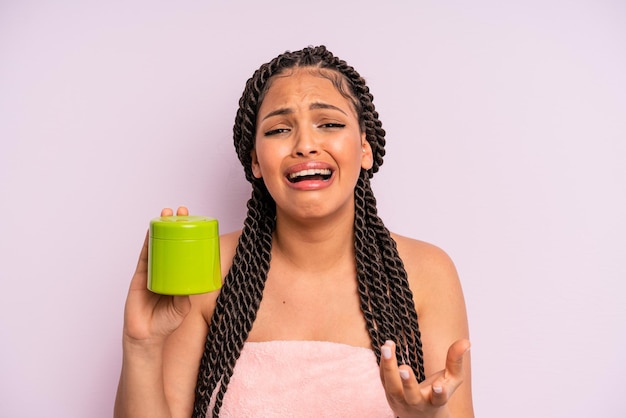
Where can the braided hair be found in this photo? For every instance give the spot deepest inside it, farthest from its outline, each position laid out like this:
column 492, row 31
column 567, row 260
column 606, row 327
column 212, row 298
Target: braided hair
column 385, row 297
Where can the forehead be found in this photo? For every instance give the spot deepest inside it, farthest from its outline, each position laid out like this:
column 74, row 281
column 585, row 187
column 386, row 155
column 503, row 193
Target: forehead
column 302, row 86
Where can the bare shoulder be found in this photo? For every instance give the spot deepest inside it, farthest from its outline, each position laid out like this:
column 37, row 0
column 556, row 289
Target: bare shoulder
column 428, row 267
column 437, row 293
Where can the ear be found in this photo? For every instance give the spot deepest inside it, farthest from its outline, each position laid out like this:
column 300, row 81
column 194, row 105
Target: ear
column 367, row 157
column 256, row 168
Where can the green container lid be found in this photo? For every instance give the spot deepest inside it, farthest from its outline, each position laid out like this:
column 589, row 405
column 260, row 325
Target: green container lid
column 184, row 227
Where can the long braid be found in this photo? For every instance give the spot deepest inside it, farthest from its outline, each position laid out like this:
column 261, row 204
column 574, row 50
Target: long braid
column 373, row 296
column 386, row 299
column 398, row 314
column 396, row 310
column 237, row 304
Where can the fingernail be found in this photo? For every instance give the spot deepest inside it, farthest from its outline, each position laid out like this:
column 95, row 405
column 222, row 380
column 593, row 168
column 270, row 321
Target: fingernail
column 437, row 389
column 385, row 352
column 404, row 375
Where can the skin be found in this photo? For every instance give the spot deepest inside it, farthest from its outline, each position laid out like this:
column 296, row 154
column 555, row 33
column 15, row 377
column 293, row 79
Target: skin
column 303, row 122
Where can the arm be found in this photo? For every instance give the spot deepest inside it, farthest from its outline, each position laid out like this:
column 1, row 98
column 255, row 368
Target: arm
column 443, row 320
column 162, row 343
column 439, row 301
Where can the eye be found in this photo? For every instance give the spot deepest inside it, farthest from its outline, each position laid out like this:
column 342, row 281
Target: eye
column 276, row 131
column 333, row 125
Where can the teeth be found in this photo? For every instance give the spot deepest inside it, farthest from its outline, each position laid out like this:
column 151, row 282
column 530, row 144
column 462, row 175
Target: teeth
column 310, row 172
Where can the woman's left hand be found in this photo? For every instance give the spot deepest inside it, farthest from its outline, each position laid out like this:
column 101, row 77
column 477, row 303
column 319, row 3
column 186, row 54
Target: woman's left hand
column 407, row 397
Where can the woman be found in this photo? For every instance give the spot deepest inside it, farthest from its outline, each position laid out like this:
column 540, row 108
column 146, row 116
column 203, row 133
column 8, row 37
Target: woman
column 316, row 291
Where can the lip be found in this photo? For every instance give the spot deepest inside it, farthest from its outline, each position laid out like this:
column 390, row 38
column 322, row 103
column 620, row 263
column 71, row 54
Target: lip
column 309, row 184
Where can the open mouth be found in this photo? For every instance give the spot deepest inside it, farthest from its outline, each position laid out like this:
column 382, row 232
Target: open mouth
column 311, row 174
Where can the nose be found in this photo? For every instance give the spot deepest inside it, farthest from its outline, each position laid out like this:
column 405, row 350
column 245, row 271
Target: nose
column 305, row 143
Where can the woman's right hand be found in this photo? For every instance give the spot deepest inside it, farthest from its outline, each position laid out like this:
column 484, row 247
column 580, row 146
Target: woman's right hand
column 149, row 318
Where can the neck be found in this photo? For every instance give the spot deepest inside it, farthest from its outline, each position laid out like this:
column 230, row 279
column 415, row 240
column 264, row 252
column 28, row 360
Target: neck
column 315, row 245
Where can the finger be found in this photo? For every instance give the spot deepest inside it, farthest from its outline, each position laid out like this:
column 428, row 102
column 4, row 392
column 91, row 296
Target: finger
column 390, row 373
column 410, row 386
column 167, row 212
column 440, row 392
column 140, row 277
column 182, row 211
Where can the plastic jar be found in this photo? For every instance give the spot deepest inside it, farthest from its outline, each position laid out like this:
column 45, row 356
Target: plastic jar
column 184, row 255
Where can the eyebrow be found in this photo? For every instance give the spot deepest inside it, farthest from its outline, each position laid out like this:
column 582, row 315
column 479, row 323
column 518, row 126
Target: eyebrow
column 313, row 106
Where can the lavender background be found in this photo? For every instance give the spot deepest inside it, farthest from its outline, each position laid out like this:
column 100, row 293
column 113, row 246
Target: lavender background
column 506, row 128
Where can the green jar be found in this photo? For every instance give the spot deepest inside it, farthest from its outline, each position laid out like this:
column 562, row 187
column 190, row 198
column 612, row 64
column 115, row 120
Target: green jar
column 184, row 255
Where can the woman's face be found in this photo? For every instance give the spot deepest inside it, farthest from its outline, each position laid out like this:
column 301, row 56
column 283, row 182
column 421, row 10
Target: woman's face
column 309, row 149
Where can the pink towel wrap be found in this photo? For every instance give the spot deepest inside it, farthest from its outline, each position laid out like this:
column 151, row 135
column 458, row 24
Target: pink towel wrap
column 303, row 379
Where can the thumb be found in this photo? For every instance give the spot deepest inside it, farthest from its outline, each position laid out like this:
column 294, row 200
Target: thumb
column 182, row 305
column 454, row 359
